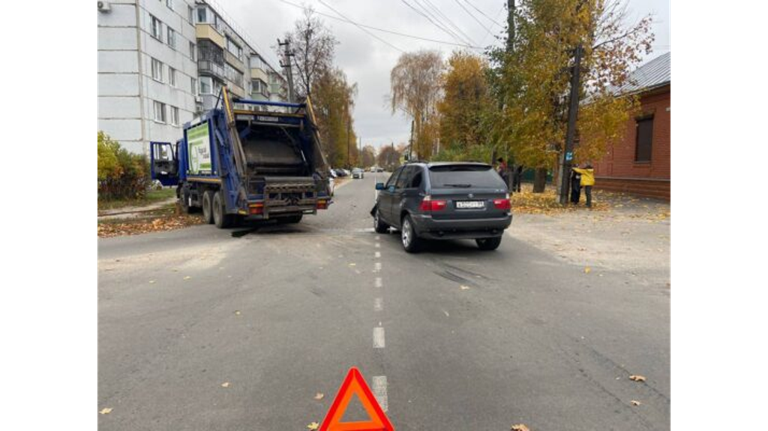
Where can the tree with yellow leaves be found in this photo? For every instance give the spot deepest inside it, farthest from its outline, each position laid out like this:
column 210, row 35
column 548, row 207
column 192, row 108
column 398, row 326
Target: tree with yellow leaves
column 466, row 100
column 416, row 89
column 532, row 79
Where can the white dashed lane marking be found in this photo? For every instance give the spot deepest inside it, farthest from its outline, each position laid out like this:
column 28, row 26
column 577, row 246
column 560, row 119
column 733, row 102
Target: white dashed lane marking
column 378, row 282
column 377, row 267
column 378, row 304
column 377, row 255
column 378, row 338
column 380, row 391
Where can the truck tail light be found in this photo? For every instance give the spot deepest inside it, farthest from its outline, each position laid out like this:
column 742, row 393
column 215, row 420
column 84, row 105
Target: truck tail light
column 502, row 204
column 257, row 208
column 322, row 204
column 428, row 204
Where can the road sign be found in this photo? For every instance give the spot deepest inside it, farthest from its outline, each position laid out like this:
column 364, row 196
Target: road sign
column 354, row 384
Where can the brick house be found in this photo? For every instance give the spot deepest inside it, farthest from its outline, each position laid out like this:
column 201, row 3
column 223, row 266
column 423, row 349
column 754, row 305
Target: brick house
column 640, row 162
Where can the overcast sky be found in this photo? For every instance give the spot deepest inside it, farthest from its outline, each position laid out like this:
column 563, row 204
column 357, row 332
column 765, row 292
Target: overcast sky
column 368, row 61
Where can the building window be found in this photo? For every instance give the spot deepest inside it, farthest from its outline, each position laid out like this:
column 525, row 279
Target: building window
column 202, row 15
column 644, row 139
column 234, row 48
column 206, row 85
column 193, row 83
column 257, row 62
column 159, row 111
column 171, row 38
column 192, row 51
column 259, row 87
column 157, row 70
column 156, row 28
column 172, row 76
column 174, row 115
column 191, row 14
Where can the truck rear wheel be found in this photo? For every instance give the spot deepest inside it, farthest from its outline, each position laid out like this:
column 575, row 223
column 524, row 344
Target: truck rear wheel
column 221, row 219
column 208, row 207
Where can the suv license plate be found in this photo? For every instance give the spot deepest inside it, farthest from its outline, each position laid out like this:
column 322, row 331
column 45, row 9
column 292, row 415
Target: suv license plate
column 470, row 204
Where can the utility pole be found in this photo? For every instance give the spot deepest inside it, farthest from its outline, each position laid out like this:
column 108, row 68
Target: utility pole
column 410, row 144
column 510, row 26
column 287, row 54
column 349, row 148
column 573, row 113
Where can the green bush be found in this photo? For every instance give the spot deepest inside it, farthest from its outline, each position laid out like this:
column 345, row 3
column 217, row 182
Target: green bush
column 121, row 174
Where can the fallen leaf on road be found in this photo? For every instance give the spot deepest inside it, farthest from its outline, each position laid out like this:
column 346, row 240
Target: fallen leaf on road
column 313, row 426
column 319, row 396
column 637, row 378
column 237, row 312
column 225, row 385
column 151, row 281
column 187, row 277
column 587, row 270
column 635, row 402
column 520, row 427
column 105, row 410
column 352, row 264
column 463, row 287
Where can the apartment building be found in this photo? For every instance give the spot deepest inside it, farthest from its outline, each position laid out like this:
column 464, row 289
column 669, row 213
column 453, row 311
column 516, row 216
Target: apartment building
column 163, row 62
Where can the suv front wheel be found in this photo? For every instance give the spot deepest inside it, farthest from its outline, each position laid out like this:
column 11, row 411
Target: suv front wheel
column 378, row 224
column 411, row 241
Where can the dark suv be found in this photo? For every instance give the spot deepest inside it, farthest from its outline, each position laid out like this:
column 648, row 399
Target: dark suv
column 451, row 200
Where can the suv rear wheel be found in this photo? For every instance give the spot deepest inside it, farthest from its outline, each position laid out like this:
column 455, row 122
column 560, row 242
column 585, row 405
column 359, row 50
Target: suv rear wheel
column 488, row 243
column 411, row 241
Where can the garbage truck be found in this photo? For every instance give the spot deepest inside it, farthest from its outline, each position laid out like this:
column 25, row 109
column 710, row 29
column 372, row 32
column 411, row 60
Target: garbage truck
column 246, row 159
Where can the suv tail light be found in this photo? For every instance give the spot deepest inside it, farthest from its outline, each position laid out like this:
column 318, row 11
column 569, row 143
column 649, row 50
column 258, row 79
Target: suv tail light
column 502, row 204
column 429, row 204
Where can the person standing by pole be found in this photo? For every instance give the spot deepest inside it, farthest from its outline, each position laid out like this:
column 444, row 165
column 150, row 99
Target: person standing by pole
column 587, row 181
column 575, row 187
column 503, row 171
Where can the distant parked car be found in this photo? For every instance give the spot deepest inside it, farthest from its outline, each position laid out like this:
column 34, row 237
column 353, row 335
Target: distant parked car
column 452, row 200
column 358, row 173
column 341, row 172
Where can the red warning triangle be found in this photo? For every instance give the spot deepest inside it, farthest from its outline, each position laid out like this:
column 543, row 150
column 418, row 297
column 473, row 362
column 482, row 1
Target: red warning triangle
column 354, row 384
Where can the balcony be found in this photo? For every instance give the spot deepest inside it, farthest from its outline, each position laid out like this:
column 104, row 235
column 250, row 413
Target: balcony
column 233, row 61
column 205, row 67
column 209, row 32
column 259, row 74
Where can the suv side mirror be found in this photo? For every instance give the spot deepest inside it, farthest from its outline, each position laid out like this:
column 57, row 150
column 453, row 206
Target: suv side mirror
column 379, row 186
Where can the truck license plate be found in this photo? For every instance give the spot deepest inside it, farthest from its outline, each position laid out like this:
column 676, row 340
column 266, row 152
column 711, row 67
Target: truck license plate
column 470, row 204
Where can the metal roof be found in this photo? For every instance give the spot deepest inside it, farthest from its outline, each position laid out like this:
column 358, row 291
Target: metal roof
column 655, row 73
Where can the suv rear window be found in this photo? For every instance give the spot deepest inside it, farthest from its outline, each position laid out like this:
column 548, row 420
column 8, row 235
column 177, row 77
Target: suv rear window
column 465, row 176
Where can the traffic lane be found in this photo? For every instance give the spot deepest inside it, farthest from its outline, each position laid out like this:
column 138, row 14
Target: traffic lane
column 280, row 314
column 528, row 339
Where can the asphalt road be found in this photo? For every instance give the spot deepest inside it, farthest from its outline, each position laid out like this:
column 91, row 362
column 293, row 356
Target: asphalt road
column 450, row 339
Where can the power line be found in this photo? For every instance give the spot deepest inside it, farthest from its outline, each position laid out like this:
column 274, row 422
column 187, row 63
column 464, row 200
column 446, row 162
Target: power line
column 448, row 32
column 497, row 17
column 483, row 13
column 383, row 30
column 358, row 26
column 438, row 14
column 473, row 17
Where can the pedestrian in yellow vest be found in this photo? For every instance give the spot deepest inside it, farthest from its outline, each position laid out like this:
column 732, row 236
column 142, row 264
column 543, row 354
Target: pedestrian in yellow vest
column 587, row 181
